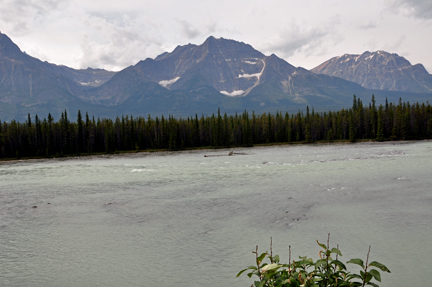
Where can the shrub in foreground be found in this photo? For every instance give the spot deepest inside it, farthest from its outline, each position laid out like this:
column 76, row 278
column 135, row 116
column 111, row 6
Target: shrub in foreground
column 326, row 271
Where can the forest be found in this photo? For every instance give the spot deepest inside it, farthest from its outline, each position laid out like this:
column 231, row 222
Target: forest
column 50, row 138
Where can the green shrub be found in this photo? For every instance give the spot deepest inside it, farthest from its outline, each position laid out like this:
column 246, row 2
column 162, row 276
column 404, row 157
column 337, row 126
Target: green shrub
column 324, row 272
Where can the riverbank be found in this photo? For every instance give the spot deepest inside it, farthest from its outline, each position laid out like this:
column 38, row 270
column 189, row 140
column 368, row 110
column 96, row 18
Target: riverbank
column 212, row 148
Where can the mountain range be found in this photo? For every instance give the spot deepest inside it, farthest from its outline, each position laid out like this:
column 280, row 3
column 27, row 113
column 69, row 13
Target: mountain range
column 219, row 73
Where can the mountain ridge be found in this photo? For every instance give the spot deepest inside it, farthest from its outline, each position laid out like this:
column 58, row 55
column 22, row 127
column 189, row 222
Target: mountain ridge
column 379, row 70
column 191, row 79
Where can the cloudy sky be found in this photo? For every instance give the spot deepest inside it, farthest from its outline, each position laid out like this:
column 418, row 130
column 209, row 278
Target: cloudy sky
column 114, row 34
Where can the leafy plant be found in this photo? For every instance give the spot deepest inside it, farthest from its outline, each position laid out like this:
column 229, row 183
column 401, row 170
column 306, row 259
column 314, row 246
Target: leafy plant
column 326, row 271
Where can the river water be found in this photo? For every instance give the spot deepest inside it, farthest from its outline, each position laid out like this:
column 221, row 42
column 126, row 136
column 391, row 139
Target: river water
column 183, row 219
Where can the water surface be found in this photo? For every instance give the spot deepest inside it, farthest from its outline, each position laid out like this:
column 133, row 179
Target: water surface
column 182, row 219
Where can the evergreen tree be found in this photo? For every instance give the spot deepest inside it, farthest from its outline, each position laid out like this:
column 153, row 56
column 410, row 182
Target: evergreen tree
column 373, row 118
column 2, row 141
column 351, row 127
column 80, row 136
column 380, row 125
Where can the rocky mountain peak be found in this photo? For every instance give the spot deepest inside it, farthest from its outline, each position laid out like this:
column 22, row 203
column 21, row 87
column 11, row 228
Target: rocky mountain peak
column 9, row 49
column 378, row 70
column 230, row 48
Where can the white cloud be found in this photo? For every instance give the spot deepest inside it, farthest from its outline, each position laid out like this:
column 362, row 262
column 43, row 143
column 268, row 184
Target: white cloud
column 188, row 30
column 367, row 25
column 413, row 8
column 114, row 41
column 396, row 44
column 19, row 16
column 309, row 40
column 115, row 34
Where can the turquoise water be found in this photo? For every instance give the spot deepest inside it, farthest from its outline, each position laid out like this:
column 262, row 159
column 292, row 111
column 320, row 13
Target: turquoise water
column 183, row 219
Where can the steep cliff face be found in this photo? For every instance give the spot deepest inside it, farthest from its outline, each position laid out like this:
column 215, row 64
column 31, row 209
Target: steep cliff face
column 380, row 71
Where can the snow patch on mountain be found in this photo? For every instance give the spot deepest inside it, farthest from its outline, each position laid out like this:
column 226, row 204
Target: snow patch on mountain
column 233, row 93
column 166, row 83
column 257, row 75
column 250, row 62
column 250, row 75
column 95, row 83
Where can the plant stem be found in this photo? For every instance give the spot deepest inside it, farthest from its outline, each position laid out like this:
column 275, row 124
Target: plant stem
column 271, row 249
column 366, row 267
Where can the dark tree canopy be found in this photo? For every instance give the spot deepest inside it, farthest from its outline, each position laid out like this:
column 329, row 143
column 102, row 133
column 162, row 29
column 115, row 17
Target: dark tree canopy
column 47, row 137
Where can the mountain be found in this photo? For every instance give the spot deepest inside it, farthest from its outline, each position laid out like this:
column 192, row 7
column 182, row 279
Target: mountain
column 380, row 71
column 219, row 73
column 29, row 85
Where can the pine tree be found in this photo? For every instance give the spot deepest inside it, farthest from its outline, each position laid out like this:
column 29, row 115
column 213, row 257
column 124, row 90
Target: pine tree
column 2, row 141
column 80, row 136
column 373, row 118
column 351, row 127
column 380, row 125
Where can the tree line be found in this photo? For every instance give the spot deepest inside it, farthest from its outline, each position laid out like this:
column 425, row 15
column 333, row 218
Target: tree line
column 47, row 137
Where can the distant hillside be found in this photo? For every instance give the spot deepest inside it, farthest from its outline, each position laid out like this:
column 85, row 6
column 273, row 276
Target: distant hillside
column 29, row 85
column 379, row 71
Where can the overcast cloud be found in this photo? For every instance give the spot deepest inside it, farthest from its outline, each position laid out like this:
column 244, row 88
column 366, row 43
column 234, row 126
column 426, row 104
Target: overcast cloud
column 116, row 34
column 414, row 8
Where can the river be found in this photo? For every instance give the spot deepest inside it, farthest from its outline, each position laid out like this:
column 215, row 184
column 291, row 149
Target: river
column 183, row 219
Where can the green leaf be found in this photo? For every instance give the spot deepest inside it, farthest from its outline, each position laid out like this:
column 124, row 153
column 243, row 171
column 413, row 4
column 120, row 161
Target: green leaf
column 335, row 250
column 251, row 273
column 351, row 276
column 281, row 281
column 320, row 262
column 380, row 266
column 261, row 257
column 339, row 263
column 322, row 245
column 372, row 284
column 368, row 277
column 304, row 262
column 269, row 267
column 294, row 282
column 241, row 272
column 276, row 258
column 375, row 274
column 357, row 261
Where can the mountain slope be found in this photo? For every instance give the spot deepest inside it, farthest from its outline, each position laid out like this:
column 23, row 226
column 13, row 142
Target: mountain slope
column 380, row 71
column 219, row 73
column 28, row 85
column 223, row 72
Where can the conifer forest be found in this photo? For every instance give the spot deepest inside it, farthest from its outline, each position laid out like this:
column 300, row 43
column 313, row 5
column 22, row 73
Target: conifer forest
column 47, row 137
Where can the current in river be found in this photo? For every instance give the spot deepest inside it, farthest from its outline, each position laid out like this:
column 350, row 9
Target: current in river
column 193, row 218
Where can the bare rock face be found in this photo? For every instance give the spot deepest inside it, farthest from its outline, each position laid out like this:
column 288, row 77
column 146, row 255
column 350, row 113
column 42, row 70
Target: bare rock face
column 379, row 71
